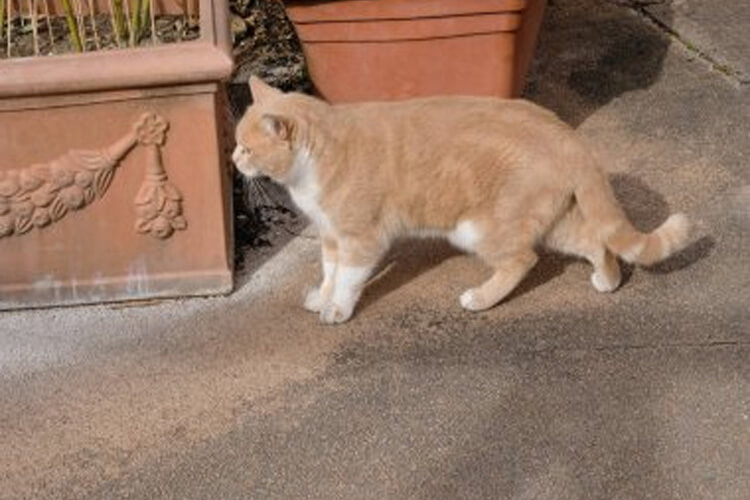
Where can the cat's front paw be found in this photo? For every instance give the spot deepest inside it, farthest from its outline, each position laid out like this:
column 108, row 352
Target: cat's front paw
column 333, row 314
column 314, row 300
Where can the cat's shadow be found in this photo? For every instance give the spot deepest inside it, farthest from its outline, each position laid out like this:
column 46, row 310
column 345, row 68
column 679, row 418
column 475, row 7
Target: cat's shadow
column 646, row 209
column 409, row 259
column 405, row 261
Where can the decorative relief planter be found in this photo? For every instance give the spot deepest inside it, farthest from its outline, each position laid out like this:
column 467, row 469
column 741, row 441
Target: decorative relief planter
column 113, row 177
column 390, row 49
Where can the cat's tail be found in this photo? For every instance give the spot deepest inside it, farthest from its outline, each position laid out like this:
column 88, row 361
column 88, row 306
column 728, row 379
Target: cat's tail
column 598, row 203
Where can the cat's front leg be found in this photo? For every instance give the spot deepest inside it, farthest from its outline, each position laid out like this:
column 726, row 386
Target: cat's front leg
column 356, row 261
column 317, row 297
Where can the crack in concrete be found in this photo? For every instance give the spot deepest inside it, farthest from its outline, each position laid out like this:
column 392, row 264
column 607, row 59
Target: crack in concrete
column 729, row 72
column 641, row 347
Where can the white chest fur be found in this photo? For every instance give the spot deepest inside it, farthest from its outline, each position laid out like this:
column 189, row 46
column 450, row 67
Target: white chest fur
column 305, row 192
column 307, row 201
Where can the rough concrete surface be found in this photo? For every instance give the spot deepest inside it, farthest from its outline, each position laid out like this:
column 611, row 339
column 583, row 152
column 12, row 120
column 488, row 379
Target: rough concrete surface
column 558, row 393
column 715, row 30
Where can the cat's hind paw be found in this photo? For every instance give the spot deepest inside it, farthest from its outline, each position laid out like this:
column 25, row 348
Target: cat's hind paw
column 333, row 314
column 471, row 302
column 604, row 285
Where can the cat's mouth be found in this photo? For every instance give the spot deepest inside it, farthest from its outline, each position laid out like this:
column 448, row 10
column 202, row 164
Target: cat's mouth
column 250, row 172
column 241, row 159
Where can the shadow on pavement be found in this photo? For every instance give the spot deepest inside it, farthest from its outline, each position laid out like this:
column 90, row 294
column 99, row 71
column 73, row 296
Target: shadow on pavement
column 590, row 52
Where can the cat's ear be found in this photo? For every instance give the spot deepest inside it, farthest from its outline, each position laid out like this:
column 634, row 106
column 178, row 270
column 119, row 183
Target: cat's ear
column 278, row 126
column 261, row 91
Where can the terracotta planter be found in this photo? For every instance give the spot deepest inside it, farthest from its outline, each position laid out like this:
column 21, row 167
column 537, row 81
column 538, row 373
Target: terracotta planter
column 390, row 49
column 113, row 183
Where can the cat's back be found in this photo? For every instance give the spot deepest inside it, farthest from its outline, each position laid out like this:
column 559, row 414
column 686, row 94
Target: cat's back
column 466, row 134
column 451, row 112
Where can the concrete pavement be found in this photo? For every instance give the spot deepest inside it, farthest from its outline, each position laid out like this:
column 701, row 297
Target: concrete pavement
column 558, row 393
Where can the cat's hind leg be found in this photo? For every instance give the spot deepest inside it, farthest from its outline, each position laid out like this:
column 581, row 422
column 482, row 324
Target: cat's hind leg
column 573, row 235
column 606, row 276
column 317, row 297
column 509, row 270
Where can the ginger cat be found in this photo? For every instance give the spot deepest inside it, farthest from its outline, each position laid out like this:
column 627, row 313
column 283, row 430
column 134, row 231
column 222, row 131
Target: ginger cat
column 497, row 177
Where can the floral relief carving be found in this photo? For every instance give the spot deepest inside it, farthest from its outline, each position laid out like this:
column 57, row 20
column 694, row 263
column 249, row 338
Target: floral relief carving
column 43, row 194
column 151, row 130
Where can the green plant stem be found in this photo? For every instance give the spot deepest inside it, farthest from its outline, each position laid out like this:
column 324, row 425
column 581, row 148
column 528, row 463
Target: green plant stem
column 144, row 14
column 49, row 26
column 70, row 18
column 135, row 20
column 119, row 18
column 9, row 25
column 2, row 19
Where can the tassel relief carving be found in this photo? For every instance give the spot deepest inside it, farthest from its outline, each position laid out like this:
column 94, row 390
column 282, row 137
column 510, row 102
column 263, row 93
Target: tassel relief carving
column 44, row 193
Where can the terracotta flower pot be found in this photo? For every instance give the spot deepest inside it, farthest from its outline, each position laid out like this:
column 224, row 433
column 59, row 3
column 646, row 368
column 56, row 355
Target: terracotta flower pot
column 391, row 49
column 113, row 183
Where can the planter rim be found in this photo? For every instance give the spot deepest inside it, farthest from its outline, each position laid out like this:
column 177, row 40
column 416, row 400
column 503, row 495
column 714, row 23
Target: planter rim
column 190, row 62
column 207, row 59
column 334, row 11
column 407, row 30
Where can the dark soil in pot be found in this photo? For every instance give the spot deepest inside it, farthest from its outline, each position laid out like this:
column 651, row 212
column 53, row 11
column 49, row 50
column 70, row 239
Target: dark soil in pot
column 169, row 29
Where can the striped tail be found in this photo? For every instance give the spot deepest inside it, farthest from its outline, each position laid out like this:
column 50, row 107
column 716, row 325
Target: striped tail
column 598, row 203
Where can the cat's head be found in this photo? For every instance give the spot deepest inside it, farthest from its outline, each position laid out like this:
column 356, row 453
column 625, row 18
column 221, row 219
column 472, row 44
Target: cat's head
column 267, row 133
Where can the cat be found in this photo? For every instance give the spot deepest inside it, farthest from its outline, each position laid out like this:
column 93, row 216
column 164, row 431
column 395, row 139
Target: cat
column 496, row 177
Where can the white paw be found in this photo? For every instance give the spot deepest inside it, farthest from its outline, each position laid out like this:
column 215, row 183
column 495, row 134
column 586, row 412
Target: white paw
column 601, row 284
column 469, row 301
column 314, row 300
column 333, row 314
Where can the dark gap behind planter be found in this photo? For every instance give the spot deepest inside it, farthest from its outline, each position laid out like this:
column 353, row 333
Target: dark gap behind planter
column 266, row 45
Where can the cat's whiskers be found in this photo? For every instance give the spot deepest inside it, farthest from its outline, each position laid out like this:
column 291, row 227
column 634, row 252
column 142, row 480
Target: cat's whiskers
column 263, row 193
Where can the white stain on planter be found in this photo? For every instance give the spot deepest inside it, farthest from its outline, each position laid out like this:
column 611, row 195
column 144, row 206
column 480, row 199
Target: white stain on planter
column 48, row 282
column 137, row 279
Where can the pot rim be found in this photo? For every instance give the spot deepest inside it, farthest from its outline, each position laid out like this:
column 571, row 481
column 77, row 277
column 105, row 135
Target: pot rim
column 180, row 63
column 353, row 11
column 208, row 59
column 406, row 30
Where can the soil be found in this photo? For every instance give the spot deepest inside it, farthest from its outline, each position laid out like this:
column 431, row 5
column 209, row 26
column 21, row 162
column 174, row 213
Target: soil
column 169, row 29
column 264, row 221
column 266, row 45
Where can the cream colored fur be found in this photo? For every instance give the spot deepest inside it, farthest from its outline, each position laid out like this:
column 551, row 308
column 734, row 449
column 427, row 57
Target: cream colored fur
column 496, row 177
